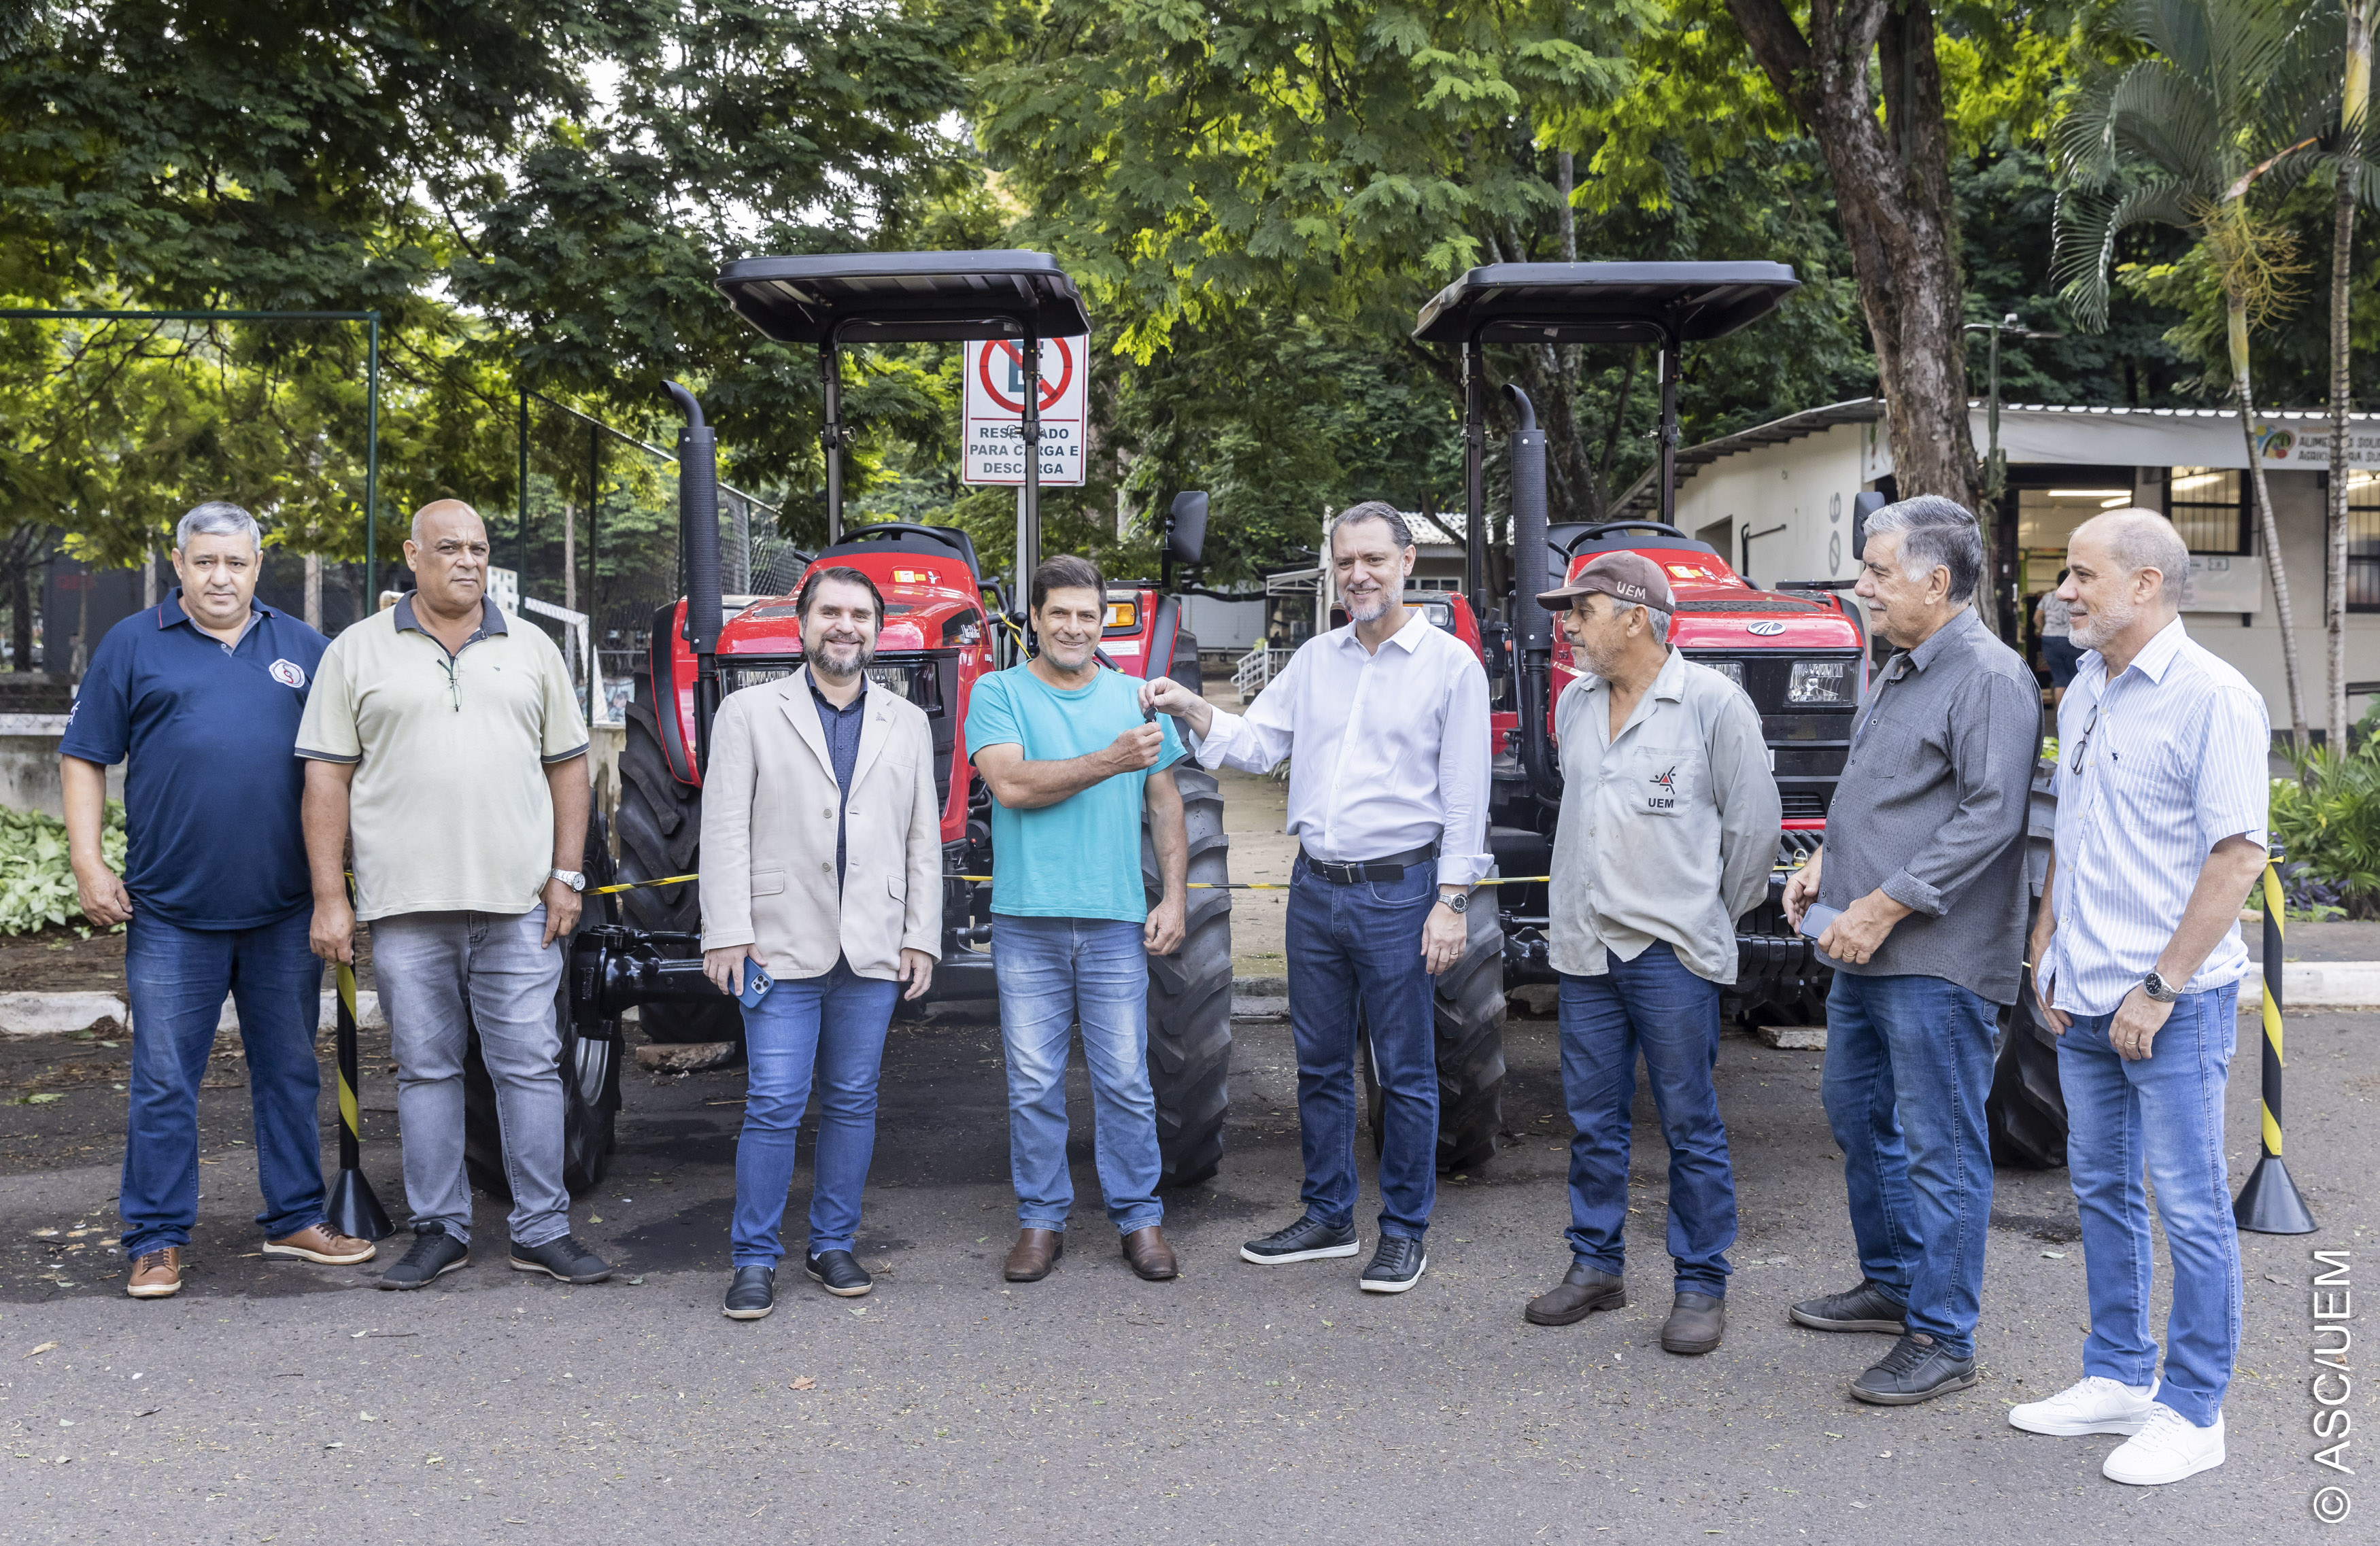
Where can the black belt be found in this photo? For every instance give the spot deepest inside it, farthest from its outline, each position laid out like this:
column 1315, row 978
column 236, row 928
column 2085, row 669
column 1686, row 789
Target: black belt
column 1393, row 867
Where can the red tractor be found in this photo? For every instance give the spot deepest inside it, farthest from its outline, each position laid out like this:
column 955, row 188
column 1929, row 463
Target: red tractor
column 946, row 624
column 1798, row 651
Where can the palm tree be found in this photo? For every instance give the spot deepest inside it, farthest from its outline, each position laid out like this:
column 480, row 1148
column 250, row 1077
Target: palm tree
column 2353, row 181
column 2234, row 93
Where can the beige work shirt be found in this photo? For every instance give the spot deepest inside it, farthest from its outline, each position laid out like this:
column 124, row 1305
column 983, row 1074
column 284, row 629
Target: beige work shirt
column 449, row 809
column 1668, row 829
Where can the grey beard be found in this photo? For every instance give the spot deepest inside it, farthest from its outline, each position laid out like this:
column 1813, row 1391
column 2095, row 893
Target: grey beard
column 822, row 665
column 1379, row 609
column 2091, row 632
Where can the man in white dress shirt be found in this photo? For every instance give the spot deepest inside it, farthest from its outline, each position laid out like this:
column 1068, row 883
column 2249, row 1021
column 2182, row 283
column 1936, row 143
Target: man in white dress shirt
column 1388, row 799
column 2162, row 796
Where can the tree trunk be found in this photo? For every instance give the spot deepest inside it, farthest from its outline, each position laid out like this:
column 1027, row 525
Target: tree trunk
column 1892, row 198
column 2236, row 316
column 314, row 591
column 2355, row 100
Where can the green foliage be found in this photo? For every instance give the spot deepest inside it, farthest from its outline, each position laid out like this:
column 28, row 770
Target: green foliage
column 2327, row 819
column 37, row 887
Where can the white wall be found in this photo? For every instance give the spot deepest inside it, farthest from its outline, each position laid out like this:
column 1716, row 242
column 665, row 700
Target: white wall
column 1805, row 484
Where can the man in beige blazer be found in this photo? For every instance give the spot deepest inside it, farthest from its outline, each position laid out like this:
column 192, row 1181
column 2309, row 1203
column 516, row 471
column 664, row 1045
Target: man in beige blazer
column 822, row 864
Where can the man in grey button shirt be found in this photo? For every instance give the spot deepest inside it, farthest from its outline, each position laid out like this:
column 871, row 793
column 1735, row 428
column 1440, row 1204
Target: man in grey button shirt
column 1920, row 888
column 1668, row 830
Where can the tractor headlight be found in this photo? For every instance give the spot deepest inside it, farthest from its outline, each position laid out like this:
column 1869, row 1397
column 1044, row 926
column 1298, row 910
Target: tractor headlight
column 1732, row 669
column 1822, row 682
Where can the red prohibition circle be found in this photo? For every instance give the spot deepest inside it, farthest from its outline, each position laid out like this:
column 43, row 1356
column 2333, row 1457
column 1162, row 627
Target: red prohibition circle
column 1049, row 394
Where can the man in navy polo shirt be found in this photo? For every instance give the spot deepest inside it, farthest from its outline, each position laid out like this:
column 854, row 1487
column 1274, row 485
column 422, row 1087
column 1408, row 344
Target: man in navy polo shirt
column 203, row 693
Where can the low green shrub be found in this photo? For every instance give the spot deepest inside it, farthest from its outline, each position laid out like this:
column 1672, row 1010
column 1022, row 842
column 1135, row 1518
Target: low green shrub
column 37, row 885
column 2327, row 822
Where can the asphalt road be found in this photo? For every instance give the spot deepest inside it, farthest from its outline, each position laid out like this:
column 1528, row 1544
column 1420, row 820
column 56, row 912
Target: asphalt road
column 280, row 1401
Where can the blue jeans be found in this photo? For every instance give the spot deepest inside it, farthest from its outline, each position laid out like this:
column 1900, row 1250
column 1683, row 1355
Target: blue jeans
column 176, row 978
column 1053, row 974
column 2163, row 1114
column 1909, row 1061
column 835, row 1025
column 1655, row 1003
column 1362, row 944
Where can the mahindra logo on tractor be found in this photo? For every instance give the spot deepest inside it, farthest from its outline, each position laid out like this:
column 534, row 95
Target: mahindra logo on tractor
column 1767, row 628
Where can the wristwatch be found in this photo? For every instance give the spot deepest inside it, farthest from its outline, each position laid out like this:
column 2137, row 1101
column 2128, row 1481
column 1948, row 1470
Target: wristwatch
column 1459, row 902
column 2156, row 987
column 571, row 878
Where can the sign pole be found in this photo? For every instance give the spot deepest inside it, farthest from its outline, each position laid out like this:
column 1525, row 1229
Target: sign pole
column 2269, row 1203
column 1029, row 557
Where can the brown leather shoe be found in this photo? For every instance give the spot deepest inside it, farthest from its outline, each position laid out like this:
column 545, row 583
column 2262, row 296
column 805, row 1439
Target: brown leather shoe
column 157, row 1274
column 1582, row 1291
column 1150, row 1254
column 1034, row 1252
column 319, row 1243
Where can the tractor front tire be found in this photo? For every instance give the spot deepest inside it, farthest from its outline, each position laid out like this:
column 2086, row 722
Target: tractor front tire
column 1190, row 995
column 1467, row 1025
column 2026, row 1109
column 661, row 834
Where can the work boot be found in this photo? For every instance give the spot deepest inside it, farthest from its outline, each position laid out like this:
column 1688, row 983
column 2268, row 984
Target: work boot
column 1034, row 1252
column 1150, row 1254
column 1582, row 1291
column 1696, row 1323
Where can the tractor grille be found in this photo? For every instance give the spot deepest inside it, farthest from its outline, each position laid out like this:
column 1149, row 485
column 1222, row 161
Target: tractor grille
column 928, row 681
column 1807, row 700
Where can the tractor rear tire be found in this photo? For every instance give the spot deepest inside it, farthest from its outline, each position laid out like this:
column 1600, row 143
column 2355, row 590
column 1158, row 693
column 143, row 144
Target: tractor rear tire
column 1190, row 995
column 1467, row 1014
column 2026, row 1109
column 589, row 1065
column 661, row 834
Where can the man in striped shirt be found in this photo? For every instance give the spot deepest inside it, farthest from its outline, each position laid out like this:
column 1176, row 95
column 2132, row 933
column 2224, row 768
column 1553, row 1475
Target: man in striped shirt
column 2162, row 797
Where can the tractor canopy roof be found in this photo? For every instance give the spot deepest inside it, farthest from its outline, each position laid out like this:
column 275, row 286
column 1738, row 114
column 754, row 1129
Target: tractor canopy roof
column 1660, row 304
column 904, row 297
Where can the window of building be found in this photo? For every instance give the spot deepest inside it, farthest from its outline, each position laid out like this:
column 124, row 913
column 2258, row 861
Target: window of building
column 2209, row 507
column 2362, row 540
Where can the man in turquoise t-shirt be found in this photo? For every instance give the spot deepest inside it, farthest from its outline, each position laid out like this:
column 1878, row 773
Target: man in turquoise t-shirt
column 1072, row 764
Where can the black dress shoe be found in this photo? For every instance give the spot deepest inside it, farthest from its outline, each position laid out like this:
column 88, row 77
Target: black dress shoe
column 1916, row 1369
column 1696, row 1323
column 1305, row 1240
column 839, row 1273
column 752, row 1293
column 1582, row 1291
column 1868, row 1308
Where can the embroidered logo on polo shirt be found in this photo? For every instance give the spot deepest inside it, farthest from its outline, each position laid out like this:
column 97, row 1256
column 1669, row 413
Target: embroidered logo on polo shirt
column 287, row 673
column 1667, row 782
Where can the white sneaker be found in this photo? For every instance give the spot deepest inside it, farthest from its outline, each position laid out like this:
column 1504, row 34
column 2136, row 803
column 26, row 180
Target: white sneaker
column 2096, row 1405
column 2168, row 1447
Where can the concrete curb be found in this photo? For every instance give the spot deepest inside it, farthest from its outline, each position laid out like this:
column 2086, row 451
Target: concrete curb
column 58, row 1014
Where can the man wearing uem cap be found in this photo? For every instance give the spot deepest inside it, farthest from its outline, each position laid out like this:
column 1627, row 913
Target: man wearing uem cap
column 1668, row 829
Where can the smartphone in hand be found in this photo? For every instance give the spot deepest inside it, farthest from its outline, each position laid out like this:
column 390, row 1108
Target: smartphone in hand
column 1816, row 916
column 756, row 983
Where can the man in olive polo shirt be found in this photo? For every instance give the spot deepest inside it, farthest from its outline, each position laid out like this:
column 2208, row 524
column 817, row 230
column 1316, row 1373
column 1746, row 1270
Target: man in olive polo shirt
column 446, row 740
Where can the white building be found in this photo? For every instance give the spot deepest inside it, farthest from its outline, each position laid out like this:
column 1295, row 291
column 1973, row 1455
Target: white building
column 1778, row 501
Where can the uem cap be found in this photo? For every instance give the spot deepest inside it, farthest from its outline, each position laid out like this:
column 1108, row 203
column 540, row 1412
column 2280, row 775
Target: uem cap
column 1631, row 579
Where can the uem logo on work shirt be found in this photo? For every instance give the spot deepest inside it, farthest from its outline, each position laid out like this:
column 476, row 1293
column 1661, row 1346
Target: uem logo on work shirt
column 287, row 673
column 1667, row 782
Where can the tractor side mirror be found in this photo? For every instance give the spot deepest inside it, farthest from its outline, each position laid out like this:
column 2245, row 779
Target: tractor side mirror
column 1185, row 527
column 1862, row 506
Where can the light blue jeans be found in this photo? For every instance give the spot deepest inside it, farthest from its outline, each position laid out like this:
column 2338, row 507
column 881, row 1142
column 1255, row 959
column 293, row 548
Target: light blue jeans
column 833, row 1024
column 2162, row 1115
column 1053, row 974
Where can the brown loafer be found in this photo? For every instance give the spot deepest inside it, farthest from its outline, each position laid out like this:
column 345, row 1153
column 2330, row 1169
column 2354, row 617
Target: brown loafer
column 157, row 1274
column 1150, row 1254
column 319, row 1243
column 1695, row 1324
column 1034, row 1252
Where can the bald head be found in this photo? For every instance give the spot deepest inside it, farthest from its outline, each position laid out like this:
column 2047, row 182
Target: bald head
column 2133, row 540
column 442, row 516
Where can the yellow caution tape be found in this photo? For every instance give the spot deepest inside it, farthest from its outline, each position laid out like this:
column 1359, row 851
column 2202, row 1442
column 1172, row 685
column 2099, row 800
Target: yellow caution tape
column 985, row 880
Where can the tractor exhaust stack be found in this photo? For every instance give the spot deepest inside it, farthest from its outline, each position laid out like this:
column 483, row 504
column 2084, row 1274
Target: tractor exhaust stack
column 697, row 506
column 1533, row 626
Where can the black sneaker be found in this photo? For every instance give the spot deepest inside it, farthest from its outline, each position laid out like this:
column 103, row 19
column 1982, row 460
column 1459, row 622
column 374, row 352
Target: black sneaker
column 1396, row 1266
column 563, row 1258
column 839, row 1273
column 433, row 1255
column 752, row 1294
column 1916, row 1369
column 1306, row 1240
column 1868, row 1308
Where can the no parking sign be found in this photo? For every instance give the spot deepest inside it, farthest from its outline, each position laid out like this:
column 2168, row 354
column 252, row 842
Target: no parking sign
column 994, row 402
